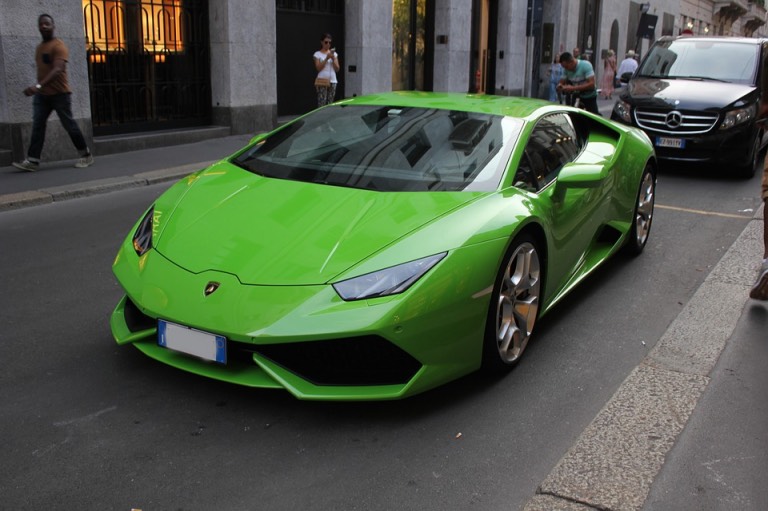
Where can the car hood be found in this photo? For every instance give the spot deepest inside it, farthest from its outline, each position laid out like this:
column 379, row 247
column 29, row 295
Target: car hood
column 279, row 232
column 684, row 94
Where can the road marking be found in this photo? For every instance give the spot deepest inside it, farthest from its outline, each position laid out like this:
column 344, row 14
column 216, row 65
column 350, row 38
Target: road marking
column 702, row 212
column 86, row 418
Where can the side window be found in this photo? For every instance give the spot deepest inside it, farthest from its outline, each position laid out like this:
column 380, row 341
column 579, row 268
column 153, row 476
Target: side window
column 553, row 143
column 525, row 177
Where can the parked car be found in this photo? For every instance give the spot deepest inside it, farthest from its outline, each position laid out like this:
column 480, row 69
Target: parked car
column 698, row 100
column 383, row 245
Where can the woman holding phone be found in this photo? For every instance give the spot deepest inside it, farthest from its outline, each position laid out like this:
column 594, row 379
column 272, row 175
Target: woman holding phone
column 326, row 65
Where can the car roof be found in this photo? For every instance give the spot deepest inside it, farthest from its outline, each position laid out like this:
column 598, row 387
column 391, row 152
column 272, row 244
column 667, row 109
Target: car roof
column 482, row 103
column 723, row 38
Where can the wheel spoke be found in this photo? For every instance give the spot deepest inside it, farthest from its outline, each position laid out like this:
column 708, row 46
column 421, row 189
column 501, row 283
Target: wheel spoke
column 525, row 313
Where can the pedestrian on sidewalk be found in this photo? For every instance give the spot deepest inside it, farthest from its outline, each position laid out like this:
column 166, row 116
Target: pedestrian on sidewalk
column 628, row 65
column 327, row 65
column 609, row 74
column 52, row 93
column 579, row 78
column 555, row 75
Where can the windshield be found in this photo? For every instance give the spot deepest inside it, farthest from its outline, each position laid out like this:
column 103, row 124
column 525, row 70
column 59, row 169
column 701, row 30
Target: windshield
column 727, row 61
column 388, row 148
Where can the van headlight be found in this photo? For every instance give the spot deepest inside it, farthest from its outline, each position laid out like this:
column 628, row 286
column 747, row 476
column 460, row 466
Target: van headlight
column 738, row 116
column 622, row 111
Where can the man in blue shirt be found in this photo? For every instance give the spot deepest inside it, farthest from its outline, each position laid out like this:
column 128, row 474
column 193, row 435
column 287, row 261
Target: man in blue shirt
column 579, row 78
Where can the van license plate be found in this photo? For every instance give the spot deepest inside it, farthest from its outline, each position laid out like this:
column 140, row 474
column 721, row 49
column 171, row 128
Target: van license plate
column 677, row 143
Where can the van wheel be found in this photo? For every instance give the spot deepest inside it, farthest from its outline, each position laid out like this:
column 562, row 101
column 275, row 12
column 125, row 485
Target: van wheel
column 748, row 170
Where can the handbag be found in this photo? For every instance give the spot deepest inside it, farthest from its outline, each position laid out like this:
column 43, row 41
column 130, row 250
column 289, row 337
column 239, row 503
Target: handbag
column 322, row 82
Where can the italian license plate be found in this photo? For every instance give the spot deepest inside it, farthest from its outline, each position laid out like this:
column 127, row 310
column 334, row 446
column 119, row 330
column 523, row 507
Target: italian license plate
column 192, row 342
column 677, row 143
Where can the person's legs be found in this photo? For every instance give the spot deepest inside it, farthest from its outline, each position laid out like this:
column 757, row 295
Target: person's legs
column 331, row 93
column 62, row 103
column 41, row 110
column 590, row 105
column 765, row 229
column 322, row 94
column 759, row 290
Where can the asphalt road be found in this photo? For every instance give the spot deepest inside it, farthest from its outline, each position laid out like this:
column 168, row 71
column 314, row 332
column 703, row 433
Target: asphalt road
column 90, row 425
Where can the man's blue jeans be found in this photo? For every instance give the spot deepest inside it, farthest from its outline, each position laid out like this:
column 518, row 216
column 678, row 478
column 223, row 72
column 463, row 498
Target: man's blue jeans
column 42, row 106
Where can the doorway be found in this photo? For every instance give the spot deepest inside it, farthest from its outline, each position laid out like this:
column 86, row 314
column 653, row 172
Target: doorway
column 148, row 64
column 483, row 64
column 413, row 28
column 300, row 25
column 588, row 25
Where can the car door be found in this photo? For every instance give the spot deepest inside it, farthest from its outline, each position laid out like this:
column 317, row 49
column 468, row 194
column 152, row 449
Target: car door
column 575, row 213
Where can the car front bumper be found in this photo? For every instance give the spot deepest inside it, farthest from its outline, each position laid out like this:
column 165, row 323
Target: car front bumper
column 731, row 147
column 305, row 339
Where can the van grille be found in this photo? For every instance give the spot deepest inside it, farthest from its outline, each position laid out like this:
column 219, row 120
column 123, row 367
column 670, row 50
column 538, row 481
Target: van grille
column 675, row 122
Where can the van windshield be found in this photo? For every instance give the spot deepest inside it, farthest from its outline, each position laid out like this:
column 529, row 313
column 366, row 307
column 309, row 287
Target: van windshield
column 727, row 61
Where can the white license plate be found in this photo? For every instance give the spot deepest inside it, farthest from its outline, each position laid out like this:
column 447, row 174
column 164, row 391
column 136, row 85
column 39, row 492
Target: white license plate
column 192, row 342
column 677, row 143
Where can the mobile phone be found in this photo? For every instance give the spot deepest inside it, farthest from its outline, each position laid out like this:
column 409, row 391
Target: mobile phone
column 333, row 50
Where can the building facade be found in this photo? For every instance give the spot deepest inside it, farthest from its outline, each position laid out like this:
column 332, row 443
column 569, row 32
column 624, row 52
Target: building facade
column 139, row 66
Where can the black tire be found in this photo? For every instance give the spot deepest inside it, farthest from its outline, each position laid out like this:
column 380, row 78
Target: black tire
column 642, row 218
column 748, row 171
column 514, row 306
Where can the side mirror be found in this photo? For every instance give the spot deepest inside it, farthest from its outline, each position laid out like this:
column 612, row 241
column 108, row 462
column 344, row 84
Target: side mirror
column 582, row 175
column 624, row 78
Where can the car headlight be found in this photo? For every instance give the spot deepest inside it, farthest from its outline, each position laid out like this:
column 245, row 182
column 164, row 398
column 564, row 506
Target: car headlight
column 738, row 116
column 142, row 238
column 622, row 111
column 389, row 281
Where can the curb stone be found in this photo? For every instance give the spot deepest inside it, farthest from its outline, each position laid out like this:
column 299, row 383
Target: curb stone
column 76, row 190
column 24, row 199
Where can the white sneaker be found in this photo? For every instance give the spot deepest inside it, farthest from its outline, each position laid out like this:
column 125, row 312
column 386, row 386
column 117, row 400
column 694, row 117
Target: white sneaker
column 759, row 291
column 26, row 165
column 85, row 161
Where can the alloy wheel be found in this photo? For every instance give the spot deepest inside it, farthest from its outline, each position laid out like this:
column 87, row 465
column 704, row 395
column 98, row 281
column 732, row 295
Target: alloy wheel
column 644, row 209
column 518, row 302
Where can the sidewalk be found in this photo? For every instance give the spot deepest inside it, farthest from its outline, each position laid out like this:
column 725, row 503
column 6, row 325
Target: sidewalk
column 59, row 180
column 686, row 430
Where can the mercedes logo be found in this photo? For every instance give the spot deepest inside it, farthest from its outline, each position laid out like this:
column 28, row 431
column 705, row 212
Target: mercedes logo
column 211, row 287
column 674, row 119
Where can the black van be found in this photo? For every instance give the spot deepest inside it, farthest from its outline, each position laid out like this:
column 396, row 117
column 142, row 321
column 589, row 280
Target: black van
column 698, row 100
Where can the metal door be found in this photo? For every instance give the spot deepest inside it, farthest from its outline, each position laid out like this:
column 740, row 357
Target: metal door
column 148, row 64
